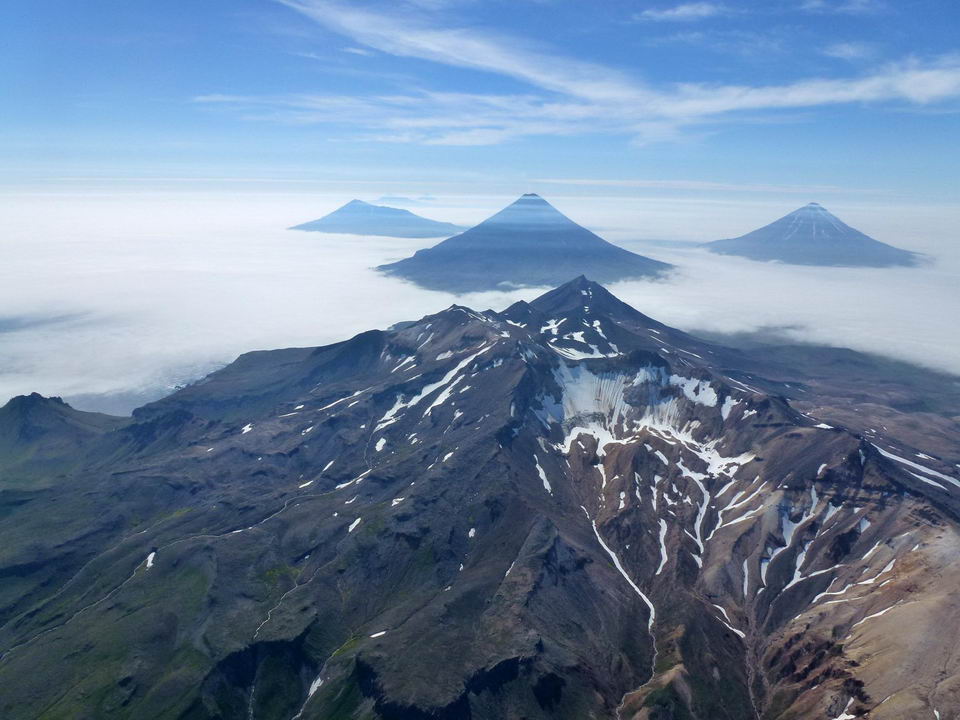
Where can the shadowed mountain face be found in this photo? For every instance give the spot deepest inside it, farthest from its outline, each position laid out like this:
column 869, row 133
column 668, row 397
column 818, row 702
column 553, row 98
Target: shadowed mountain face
column 360, row 218
column 528, row 243
column 42, row 437
column 813, row 236
column 562, row 510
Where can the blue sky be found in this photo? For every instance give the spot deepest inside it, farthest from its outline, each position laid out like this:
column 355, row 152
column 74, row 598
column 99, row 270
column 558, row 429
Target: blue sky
column 855, row 96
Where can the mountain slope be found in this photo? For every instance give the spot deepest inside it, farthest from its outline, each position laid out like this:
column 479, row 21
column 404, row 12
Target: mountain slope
column 563, row 510
column 528, row 243
column 360, row 218
column 40, row 437
column 813, row 236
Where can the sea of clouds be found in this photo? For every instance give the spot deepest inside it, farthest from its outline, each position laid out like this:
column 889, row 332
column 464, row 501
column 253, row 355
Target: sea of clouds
column 113, row 298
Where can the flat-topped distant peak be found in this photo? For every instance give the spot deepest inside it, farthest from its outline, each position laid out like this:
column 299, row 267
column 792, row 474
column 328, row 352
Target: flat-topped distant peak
column 358, row 217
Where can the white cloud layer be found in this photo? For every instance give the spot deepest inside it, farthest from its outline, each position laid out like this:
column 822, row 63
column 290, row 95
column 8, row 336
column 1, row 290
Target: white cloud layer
column 126, row 293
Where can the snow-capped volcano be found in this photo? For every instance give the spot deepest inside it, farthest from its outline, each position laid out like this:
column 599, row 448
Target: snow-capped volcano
column 812, row 235
column 563, row 510
column 528, row 243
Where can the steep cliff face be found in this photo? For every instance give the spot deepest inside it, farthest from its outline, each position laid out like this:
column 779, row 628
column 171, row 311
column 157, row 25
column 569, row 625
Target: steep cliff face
column 564, row 510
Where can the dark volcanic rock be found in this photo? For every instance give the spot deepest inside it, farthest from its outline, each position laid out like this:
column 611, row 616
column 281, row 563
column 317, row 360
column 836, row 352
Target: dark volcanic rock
column 813, row 236
column 40, row 436
column 528, row 243
column 563, row 510
column 360, row 218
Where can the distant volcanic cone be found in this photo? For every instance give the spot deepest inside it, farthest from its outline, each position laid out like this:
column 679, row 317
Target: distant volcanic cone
column 360, row 218
column 813, row 236
column 528, row 243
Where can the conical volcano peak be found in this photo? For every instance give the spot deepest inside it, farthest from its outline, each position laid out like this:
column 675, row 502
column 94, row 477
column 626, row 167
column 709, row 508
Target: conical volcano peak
column 581, row 293
column 812, row 209
column 812, row 235
column 528, row 243
column 529, row 211
column 582, row 320
column 584, row 287
column 581, row 289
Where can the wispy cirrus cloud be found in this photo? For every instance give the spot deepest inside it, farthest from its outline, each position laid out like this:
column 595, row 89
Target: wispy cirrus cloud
column 567, row 96
column 742, row 42
column 850, row 51
column 426, row 117
column 844, row 7
column 686, row 12
column 409, row 35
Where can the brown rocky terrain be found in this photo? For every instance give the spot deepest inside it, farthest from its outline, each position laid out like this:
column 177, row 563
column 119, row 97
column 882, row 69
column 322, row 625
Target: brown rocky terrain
column 562, row 510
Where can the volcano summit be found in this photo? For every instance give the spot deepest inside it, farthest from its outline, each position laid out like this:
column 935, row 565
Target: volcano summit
column 813, row 236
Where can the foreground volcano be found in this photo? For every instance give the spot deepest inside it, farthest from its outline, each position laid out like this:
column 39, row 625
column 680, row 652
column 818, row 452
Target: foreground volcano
column 528, row 243
column 562, row 510
column 813, row 236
